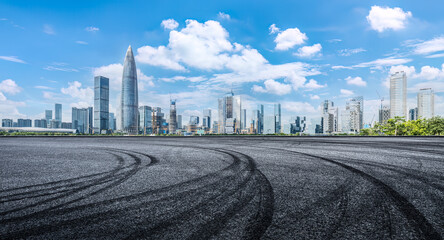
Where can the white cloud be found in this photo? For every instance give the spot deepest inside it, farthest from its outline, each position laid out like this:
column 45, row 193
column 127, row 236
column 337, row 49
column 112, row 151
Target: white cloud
column 384, row 18
column 273, row 29
column 224, row 16
column 349, row 52
column 346, row 93
column 52, row 68
column 9, row 86
column 335, row 40
column 309, row 51
column 160, row 56
column 12, row 59
column 384, row 62
column 169, row 24
column 114, row 73
column 75, row 90
column 314, row 97
column 313, row 85
column 289, row 38
column 298, row 107
column 182, row 78
column 92, row 29
column 356, row 81
column 427, row 77
column 341, row 67
column 2, row 97
column 431, row 46
column 48, row 29
column 8, row 108
column 82, row 42
column 273, row 87
column 438, row 55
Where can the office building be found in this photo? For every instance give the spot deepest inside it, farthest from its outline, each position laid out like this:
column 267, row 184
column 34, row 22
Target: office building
column 194, row 120
column 66, row 125
column 270, row 125
column 48, row 116
column 24, row 122
column 101, row 104
column 352, row 116
column 297, row 124
column 7, row 123
column 260, row 120
column 129, row 102
column 206, row 120
column 413, row 114
column 244, row 119
column 398, row 95
column 277, row 114
column 112, row 122
column 157, row 120
column 179, row 122
column 329, row 114
column 146, row 120
column 82, row 120
column 229, row 114
column 54, row 124
column 58, row 112
column 384, row 114
column 426, row 103
column 172, row 125
column 40, row 123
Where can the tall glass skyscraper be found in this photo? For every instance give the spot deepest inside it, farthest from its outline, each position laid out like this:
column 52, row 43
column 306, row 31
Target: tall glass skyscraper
column 48, row 116
column 426, row 103
column 172, row 125
column 58, row 112
column 146, row 119
column 277, row 114
column 82, row 119
column 129, row 101
column 398, row 94
column 230, row 114
column 101, row 104
column 206, row 120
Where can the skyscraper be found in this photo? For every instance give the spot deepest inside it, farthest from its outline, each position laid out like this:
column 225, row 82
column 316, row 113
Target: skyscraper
column 179, row 121
column 230, row 114
column 352, row 116
column 82, row 119
column 277, row 114
column 129, row 101
column 244, row 119
column 7, row 122
column 206, row 120
column 260, row 120
column 329, row 115
column 426, row 103
column 24, row 122
column 270, row 125
column 413, row 114
column 101, row 104
column 194, row 120
column 398, row 95
column 172, row 125
column 48, row 116
column 112, row 122
column 384, row 114
column 58, row 112
column 146, row 119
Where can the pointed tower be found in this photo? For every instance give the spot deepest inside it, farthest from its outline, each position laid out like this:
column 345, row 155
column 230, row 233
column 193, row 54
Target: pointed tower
column 129, row 101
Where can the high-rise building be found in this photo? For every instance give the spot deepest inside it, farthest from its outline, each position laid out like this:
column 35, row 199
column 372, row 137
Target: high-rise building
column 24, row 122
column 112, row 122
column 270, row 125
column 206, row 120
column 101, row 104
column 146, row 119
column 215, row 127
column 179, row 121
column 426, row 103
column 384, row 114
column 352, row 116
column 48, row 116
column 194, row 120
column 40, row 123
column 255, row 121
column 172, row 125
column 54, row 124
column 158, row 120
column 82, row 119
column 58, row 112
column 398, row 95
column 230, row 114
column 329, row 114
column 66, row 125
column 129, row 102
column 7, row 122
column 277, row 113
column 413, row 114
column 244, row 119
column 260, row 120
column 297, row 124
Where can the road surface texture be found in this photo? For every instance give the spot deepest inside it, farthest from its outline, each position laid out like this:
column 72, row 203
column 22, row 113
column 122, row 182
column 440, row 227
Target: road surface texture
column 221, row 188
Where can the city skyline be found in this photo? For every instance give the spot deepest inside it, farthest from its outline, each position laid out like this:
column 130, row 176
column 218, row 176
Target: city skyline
column 341, row 67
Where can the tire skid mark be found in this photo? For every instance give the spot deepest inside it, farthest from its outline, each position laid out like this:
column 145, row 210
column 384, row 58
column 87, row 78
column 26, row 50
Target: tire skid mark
column 114, row 179
column 418, row 221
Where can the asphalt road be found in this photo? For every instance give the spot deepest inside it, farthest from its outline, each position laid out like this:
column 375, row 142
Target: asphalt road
column 221, row 188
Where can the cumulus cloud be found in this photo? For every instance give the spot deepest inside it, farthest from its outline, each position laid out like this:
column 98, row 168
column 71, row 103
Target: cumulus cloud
column 48, row 29
column 384, row 18
column 427, row 77
column 223, row 16
column 9, row 86
column 298, row 107
column 75, row 90
column 346, row 93
column 92, row 29
column 169, row 24
column 314, row 97
column 289, row 38
column 357, row 81
column 309, row 51
column 349, row 52
column 384, row 62
column 273, row 29
column 273, row 87
column 12, row 59
column 429, row 47
column 313, row 85
column 183, row 78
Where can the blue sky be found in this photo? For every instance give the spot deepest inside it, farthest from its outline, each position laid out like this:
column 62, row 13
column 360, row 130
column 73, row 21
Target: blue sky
column 292, row 52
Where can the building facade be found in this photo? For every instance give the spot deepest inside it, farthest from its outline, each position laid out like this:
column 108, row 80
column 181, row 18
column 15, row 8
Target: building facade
column 101, row 104
column 398, row 95
column 229, row 114
column 48, row 116
column 413, row 114
column 270, row 125
column 329, row 115
column 58, row 112
column 206, row 120
column 82, row 120
column 277, row 114
column 172, row 125
column 145, row 120
column 426, row 103
column 384, row 114
column 129, row 102
column 24, row 122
